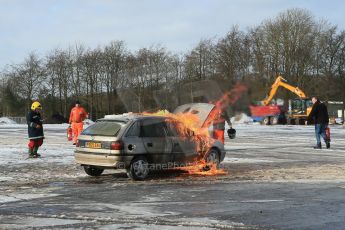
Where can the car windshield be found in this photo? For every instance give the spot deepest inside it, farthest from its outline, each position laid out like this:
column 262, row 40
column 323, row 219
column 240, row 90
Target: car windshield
column 103, row 128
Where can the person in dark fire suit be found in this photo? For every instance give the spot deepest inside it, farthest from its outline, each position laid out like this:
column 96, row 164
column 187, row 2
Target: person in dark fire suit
column 35, row 129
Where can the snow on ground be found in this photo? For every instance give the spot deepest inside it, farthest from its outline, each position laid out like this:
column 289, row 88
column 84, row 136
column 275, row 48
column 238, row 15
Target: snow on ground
column 261, row 162
column 283, row 138
column 254, row 144
column 244, row 160
column 55, row 149
column 57, row 161
column 285, row 153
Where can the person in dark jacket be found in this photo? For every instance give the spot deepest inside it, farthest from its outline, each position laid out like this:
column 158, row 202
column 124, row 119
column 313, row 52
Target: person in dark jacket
column 35, row 129
column 319, row 115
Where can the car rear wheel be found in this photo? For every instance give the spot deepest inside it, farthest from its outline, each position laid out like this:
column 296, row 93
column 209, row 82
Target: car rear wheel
column 266, row 121
column 288, row 121
column 274, row 120
column 92, row 171
column 212, row 159
column 138, row 169
column 297, row 121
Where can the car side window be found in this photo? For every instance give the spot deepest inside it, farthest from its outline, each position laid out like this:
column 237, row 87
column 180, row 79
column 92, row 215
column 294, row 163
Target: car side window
column 178, row 129
column 152, row 128
column 134, row 130
column 171, row 129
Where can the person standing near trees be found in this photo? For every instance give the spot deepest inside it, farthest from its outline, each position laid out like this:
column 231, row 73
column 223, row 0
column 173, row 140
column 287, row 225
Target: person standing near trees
column 35, row 129
column 76, row 118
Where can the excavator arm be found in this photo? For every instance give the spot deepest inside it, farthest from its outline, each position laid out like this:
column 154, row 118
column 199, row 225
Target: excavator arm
column 280, row 81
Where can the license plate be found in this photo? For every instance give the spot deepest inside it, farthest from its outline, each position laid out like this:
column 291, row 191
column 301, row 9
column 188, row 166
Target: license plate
column 93, row 145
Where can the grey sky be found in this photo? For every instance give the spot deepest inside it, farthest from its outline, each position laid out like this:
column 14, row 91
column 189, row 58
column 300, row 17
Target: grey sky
column 42, row 25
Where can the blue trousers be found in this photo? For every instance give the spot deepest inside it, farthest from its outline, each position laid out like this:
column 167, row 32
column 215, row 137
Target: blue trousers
column 320, row 130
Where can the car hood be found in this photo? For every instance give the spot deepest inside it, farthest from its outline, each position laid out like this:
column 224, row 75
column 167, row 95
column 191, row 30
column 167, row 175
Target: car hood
column 202, row 110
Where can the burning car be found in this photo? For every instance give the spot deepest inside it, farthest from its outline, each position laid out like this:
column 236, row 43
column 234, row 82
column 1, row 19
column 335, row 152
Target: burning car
column 140, row 143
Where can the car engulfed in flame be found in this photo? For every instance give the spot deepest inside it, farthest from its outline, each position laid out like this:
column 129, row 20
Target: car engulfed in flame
column 141, row 143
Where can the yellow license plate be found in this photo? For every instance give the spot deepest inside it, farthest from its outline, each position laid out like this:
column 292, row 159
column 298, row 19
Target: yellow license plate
column 93, row 145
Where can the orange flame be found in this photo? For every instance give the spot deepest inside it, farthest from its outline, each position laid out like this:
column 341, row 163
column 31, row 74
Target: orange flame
column 187, row 122
column 199, row 169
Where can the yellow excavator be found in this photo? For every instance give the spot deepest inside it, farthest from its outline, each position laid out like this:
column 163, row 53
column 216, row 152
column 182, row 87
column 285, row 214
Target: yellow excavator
column 280, row 81
column 297, row 112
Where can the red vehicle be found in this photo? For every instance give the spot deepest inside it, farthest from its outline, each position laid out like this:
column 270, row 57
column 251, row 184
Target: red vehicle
column 275, row 114
column 268, row 114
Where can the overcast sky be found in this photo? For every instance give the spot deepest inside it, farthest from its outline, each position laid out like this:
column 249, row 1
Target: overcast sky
column 43, row 25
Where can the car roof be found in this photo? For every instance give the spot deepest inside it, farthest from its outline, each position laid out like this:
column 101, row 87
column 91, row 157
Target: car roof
column 129, row 117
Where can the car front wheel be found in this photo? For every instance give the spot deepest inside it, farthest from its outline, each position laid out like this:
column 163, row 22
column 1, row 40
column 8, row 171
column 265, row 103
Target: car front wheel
column 212, row 159
column 92, row 171
column 138, row 169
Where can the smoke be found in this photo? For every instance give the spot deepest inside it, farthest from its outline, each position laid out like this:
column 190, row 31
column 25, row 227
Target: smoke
column 228, row 98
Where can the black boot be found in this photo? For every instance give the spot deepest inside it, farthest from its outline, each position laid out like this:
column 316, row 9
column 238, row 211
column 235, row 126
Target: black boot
column 35, row 152
column 31, row 153
column 328, row 144
column 318, row 146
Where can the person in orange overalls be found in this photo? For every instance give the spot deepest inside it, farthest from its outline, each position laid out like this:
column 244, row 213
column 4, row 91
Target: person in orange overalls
column 76, row 118
column 219, row 125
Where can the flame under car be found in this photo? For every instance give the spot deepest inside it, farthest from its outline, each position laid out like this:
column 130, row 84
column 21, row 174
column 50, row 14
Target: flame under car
column 142, row 143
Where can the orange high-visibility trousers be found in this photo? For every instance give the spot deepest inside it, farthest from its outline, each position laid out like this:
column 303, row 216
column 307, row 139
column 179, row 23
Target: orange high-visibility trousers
column 77, row 128
column 218, row 134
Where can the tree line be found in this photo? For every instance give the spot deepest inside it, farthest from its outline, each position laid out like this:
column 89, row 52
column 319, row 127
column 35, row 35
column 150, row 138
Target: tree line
column 308, row 52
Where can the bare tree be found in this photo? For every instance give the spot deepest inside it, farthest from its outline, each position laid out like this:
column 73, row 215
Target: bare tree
column 200, row 62
column 78, row 70
column 114, row 56
column 60, row 71
column 28, row 77
column 233, row 55
column 285, row 44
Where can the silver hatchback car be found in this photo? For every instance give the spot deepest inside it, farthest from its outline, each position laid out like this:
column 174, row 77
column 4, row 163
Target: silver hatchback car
column 140, row 143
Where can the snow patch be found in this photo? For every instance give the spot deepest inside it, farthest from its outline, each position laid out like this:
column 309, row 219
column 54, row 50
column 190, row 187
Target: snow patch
column 241, row 118
column 7, row 121
column 40, row 223
column 5, row 178
column 18, row 197
column 244, row 160
column 55, row 148
column 114, row 116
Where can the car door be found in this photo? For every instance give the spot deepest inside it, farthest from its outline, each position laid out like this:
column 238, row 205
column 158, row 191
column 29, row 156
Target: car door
column 203, row 111
column 133, row 144
column 154, row 137
column 183, row 144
